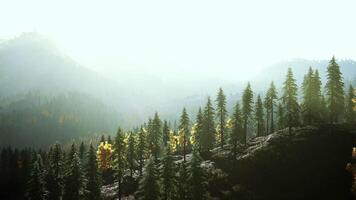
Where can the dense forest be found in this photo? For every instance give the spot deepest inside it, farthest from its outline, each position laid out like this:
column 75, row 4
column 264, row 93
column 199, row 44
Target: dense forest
column 159, row 161
column 36, row 120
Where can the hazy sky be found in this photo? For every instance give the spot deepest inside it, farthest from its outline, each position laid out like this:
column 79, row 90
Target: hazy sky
column 219, row 37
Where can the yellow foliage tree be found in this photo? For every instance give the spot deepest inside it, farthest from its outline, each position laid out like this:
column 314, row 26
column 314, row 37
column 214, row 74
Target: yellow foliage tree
column 103, row 156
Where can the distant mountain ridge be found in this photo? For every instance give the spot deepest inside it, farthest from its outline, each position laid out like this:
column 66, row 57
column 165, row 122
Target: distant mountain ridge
column 31, row 62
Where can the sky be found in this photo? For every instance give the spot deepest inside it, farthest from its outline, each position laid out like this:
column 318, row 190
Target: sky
column 220, row 38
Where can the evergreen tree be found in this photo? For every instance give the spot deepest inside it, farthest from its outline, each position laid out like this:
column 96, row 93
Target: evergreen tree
column 237, row 129
column 54, row 176
column 154, row 135
column 269, row 104
column 350, row 114
column 221, row 114
column 148, row 188
column 197, row 178
column 182, row 186
column 141, row 149
column 246, row 109
column 165, row 133
column 308, row 106
column 334, row 91
column 280, row 113
column 289, row 100
column 36, row 185
column 168, row 176
column 131, row 154
column 207, row 138
column 74, row 181
column 109, row 139
column 199, row 130
column 93, row 176
column 317, row 97
column 259, row 115
column 119, row 159
column 102, row 139
column 72, row 151
column 82, row 151
column 184, row 130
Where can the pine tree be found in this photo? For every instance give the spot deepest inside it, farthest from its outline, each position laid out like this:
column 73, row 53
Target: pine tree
column 141, row 149
column 289, row 100
column 82, row 151
column 184, row 130
column 221, row 114
column 182, row 186
column 317, row 97
column 280, row 114
column 72, row 151
column 109, row 139
column 197, row 178
column 207, row 138
column 246, row 109
column 334, row 91
column 131, row 153
column 259, row 115
column 36, row 185
column 119, row 159
column 165, row 133
column 74, row 181
column 168, row 176
column 154, row 135
column 237, row 129
column 148, row 188
column 308, row 105
column 199, row 130
column 93, row 176
column 350, row 114
column 102, row 139
column 269, row 104
column 54, row 176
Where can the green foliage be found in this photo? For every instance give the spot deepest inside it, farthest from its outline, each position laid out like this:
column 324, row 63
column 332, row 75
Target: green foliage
column 119, row 158
column 183, row 185
column 184, row 130
column 40, row 120
column 259, row 115
column 74, row 182
column 54, row 173
column 154, row 135
column 269, row 103
column 311, row 89
column 237, row 129
column 199, row 131
column 141, row 148
column 334, row 91
column 168, row 176
column 165, row 133
column 93, row 186
column 221, row 114
column 197, row 179
column 350, row 113
column 247, row 109
column 131, row 153
column 149, row 188
column 280, row 114
column 36, row 185
column 207, row 137
column 289, row 100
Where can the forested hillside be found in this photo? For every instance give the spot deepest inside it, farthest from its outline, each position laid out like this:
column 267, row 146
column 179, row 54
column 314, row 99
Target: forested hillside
column 35, row 120
column 295, row 138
